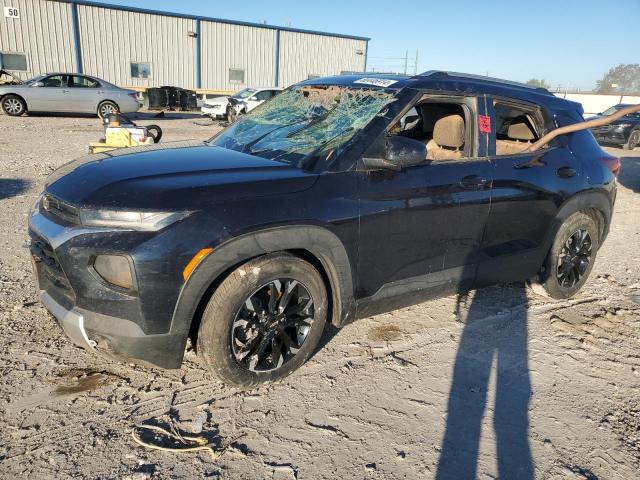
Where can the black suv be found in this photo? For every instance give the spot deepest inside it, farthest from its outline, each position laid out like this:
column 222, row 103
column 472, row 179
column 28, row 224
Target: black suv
column 624, row 132
column 340, row 198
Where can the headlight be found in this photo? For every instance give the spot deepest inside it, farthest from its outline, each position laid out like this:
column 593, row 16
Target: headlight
column 623, row 125
column 148, row 221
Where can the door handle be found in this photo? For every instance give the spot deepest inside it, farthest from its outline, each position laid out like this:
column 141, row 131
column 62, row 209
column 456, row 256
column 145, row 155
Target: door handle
column 473, row 182
column 565, row 172
column 65, row 91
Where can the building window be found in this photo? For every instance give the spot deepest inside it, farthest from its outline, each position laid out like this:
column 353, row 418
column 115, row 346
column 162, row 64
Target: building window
column 236, row 75
column 13, row 61
column 140, row 70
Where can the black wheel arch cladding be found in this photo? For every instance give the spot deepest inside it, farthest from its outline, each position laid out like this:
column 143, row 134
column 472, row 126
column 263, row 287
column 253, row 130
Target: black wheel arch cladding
column 319, row 242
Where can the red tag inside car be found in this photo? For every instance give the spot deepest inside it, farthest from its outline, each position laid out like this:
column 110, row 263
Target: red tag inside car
column 485, row 123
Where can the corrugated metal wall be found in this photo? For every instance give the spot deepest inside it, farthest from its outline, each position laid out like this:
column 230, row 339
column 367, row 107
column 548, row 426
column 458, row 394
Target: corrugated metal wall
column 304, row 54
column 111, row 39
column 43, row 32
column 226, row 46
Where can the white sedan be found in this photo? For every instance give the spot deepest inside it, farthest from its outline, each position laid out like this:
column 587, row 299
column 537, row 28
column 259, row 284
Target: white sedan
column 240, row 102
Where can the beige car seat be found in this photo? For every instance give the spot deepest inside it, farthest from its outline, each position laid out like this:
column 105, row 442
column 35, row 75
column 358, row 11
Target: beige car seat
column 520, row 137
column 448, row 139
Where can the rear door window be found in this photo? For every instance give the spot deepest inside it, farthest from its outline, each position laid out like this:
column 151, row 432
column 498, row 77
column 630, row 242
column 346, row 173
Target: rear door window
column 84, row 82
column 516, row 127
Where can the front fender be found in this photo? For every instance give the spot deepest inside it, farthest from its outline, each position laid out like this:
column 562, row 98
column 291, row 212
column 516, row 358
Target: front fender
column 325, row 246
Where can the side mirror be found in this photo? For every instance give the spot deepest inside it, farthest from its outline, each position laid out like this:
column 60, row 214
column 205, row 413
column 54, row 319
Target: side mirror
column 37, row 84
column 399, row 153
column 404, row 152
column 253, row 99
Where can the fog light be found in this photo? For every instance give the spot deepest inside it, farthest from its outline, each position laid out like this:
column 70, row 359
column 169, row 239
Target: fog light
column 114, row 269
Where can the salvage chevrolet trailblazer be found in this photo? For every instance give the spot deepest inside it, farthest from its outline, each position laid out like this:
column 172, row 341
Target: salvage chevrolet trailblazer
column 340, row 198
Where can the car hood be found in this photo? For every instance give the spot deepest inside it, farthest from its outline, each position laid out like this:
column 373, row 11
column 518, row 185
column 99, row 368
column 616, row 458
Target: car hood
column 175, row 175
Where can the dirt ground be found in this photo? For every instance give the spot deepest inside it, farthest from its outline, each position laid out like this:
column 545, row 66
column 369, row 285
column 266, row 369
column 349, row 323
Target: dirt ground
column 498, row 382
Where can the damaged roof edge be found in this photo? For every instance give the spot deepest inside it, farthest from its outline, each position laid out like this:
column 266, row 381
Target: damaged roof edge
column 127, row 8
column 469, row 76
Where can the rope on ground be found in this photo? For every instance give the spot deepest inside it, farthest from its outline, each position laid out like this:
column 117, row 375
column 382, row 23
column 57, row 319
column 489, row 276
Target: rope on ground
column 198, row 444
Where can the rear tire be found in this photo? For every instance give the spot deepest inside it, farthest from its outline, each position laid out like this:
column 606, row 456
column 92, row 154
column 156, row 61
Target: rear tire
column 107, row 108
column 242, row 333
column 571, row 257
column 13, row 105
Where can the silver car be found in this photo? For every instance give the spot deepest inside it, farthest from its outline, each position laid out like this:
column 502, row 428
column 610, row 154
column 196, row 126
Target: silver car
column 67, row 92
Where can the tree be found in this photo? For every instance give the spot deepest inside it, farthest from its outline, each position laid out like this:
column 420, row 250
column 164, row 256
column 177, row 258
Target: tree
column 538, row 82
column 625, row 78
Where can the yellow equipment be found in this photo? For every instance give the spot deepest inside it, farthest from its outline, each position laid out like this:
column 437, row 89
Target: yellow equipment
column 118, row 135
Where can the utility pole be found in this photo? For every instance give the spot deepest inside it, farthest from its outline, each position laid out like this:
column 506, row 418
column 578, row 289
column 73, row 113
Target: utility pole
column 406, row 60
column 415, row 65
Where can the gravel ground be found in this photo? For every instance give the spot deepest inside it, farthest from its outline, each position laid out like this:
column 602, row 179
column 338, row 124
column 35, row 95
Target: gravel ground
column 499, row 381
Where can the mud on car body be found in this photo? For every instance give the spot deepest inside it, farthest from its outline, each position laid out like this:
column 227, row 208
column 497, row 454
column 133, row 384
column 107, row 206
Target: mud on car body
column 340, row 198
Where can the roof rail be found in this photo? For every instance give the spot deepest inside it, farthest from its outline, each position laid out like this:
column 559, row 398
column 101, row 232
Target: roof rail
column 469, row 76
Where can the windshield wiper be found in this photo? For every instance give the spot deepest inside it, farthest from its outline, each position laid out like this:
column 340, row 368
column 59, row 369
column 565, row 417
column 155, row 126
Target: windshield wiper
column 313, row 122
column 315, row 150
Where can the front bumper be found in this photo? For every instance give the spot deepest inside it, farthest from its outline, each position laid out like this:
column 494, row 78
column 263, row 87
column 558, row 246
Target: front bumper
column 607, row 134
column 71, row 322
column 213, row 111
column 90, row 313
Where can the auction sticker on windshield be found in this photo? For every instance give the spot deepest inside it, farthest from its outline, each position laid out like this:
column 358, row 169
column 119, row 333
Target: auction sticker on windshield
column 378, row 82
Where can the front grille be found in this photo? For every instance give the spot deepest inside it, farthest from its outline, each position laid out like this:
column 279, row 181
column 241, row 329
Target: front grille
column 602, row 129
column 59, row 210
column 51, row 277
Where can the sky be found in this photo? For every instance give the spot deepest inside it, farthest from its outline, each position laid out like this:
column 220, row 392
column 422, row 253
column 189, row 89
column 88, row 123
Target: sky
column 568, row 43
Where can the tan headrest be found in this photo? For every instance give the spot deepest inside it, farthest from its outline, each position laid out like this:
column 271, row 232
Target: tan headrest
column 449, row 131
column 520, row 130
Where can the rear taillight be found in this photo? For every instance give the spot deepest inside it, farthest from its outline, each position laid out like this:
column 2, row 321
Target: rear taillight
column 612, row 163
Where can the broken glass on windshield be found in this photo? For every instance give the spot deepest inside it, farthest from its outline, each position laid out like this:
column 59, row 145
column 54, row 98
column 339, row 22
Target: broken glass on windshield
column 304, row 122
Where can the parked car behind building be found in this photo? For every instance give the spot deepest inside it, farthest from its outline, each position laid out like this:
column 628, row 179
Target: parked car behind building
column 239, row 103
column 67, row 93
column 624, row 132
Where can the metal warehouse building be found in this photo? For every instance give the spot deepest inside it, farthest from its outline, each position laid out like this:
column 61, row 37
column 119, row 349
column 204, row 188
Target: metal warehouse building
column 145, row 48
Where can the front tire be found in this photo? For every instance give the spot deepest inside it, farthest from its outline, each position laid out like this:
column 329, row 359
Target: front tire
column 571, row 257
column 263, row 321
column 633, row 141
column 13, row 105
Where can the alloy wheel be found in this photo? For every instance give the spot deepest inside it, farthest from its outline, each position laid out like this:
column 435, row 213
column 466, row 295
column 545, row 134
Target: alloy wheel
column 272, row 325
column 574, row 259
column 634, row 140
column 106, row 110
column 12, row 106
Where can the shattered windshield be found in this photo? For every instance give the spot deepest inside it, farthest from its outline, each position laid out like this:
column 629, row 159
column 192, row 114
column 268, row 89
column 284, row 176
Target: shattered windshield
column 310, row 121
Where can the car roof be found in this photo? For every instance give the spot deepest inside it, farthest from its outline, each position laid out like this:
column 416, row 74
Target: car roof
column 452, row 82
